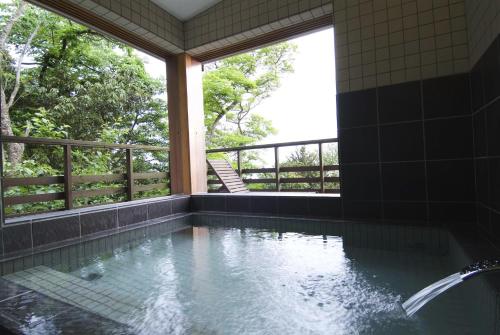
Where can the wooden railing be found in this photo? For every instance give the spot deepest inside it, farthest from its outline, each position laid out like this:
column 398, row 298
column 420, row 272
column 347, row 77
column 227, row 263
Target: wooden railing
column 74, row 185
column 277, row 179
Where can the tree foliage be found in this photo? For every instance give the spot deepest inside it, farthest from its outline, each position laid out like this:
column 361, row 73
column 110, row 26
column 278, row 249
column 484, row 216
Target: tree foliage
column 234, row 86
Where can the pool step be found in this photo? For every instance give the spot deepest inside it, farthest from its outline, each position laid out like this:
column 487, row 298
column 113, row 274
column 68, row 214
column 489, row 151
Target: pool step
column 102, row 299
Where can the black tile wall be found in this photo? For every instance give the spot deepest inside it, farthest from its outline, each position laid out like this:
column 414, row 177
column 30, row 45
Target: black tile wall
column 49, row 231
column 400, row 103
column 418, row 149
column 273, row 205
column 159, row 209
column 485, row 92
column 362, row 107
column 131, row 215
column 402, row 142
column 446, row 96
column 62, row 226
column 95, row 222
column 359, row 144
column 16, row 238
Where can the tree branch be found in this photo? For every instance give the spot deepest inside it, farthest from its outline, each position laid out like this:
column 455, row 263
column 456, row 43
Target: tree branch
column 8, row 27
column 20, row 63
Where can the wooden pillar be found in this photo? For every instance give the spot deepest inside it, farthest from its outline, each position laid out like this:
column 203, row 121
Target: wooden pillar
column 188, row 167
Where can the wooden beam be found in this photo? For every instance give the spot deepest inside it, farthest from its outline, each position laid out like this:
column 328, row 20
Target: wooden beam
column 186, row 125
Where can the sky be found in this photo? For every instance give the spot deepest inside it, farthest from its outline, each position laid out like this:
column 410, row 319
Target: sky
column 304, row 107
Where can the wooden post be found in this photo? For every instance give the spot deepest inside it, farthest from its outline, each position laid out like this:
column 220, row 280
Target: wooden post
column 238, row 162
column 188, row 168
column 321, row 168
column 68, row 182
column 130, row 175
column 277, row 168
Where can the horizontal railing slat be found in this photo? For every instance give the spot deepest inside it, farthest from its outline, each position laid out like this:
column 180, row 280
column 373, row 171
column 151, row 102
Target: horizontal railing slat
column 29, row 181
column 273, row 145
column 150, row 175
column 98, row 178
column 142, row 188
column 99, row 192
column 24, row 199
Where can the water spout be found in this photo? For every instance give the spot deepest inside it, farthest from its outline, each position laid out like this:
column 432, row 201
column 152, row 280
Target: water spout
column 418, row 300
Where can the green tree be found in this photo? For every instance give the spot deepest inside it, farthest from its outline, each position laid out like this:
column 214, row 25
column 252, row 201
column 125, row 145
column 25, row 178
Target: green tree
column 234, row 86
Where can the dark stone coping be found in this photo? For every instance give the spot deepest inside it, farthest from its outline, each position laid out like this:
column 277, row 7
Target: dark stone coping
column 25, row 235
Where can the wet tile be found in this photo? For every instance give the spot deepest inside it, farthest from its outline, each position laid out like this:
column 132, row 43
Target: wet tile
column 54, row 230
column 159, row 209
column 131, row 215
column 8, row 289
column 180, row 205
column 98, row 221
column 16, row 238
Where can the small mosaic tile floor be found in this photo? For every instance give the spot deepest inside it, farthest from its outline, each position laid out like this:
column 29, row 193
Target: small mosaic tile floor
column 101, row 298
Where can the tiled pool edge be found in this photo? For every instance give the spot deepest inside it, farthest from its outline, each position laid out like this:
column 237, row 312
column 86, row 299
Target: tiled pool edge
column 27, row 234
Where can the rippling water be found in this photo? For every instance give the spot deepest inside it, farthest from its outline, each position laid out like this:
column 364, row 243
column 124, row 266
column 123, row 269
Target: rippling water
column 249, row 281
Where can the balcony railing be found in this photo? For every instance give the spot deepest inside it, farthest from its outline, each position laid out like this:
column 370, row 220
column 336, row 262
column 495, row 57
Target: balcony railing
column 318, row 177
column 124, row 181
column 122, row 184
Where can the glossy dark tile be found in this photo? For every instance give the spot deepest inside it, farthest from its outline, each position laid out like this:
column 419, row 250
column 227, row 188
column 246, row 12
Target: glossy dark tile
column 494, row 183
column 449, row 138
column 400, row 102
column 477, row 86
column 357, row 108
column 264, row 205
column 358, row 145
column 482, row 180
column 493, row 129
column 453, row 213
column 159, row 209
column 196, row 203
column 362, row 210
column 451, row 180
column 238, row 203
column 483, row 218
column 57, row 229
column 402, row 142
column 17, row 237
column 180, row 205
column 399, row 210
column 330, row 207
column 403, row 181
column 214, row 203
column 361, row 182
column 491, row 72
column 98, row 221
column 292, row 206
column 480, row 138
column 446, row 96
column 131, row 215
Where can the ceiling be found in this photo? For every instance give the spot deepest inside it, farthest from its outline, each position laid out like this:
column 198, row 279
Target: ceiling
column 185, row 9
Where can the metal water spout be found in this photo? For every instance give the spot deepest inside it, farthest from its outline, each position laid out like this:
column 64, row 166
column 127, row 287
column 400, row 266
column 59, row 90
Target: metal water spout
column 479, row 268
column 418, row 300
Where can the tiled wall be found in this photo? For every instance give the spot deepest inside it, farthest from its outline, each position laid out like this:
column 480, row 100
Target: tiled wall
column 384, row 42
column 30, row 232
column 232, row 21
column 485, row 80
column 143, row 18
column 483, row 23
column 406, row 151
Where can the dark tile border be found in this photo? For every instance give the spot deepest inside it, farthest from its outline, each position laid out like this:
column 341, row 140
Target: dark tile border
column 24, row 234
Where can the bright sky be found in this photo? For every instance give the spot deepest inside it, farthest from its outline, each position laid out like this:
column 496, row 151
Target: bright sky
column 304, row 107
